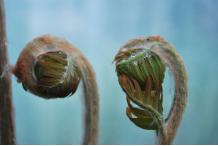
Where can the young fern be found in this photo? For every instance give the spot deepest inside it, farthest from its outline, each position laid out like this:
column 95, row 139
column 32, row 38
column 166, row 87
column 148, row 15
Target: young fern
column 51, row 67
column 140, row 66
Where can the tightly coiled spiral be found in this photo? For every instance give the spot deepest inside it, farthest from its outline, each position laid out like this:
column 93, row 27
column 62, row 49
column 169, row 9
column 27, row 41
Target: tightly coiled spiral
column 51, row 67
column 47, row 68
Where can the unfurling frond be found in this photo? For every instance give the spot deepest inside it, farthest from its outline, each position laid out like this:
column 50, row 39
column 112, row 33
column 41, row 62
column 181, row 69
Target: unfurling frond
column 140, row 74
column 140, row 66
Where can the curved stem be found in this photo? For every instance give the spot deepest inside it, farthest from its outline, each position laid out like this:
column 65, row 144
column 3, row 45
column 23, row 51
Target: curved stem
column 91, row 99
column 7, row 128
column 169, row 55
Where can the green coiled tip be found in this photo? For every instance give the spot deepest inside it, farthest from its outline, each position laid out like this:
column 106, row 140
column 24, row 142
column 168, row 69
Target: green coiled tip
column 57, row 72
column 141, row 74
column 47, row 67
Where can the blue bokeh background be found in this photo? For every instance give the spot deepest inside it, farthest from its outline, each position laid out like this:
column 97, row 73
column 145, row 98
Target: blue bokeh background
column 99, row 28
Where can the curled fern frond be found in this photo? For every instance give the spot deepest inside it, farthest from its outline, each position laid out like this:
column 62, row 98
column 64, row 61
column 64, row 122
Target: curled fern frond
column 140, row 74
column 140, row 66
column 48, row 68
column 51, row 67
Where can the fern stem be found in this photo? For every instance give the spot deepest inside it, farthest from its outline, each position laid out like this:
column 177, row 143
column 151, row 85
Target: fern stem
column 91, row 99
column 170, row 56
column 7, row 128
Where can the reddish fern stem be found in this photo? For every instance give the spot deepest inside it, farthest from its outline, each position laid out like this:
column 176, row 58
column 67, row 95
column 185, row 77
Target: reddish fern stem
column 170, row 56
column 7, row 128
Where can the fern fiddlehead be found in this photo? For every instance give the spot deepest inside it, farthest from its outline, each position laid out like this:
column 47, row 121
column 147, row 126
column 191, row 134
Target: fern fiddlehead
column 140, row 66
column 51, row 67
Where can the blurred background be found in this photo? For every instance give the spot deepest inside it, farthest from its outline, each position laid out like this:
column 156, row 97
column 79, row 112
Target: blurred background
column 99, row 28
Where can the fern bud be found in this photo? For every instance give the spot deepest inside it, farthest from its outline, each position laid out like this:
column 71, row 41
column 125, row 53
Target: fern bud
column 140, row 74
column 46, row 67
